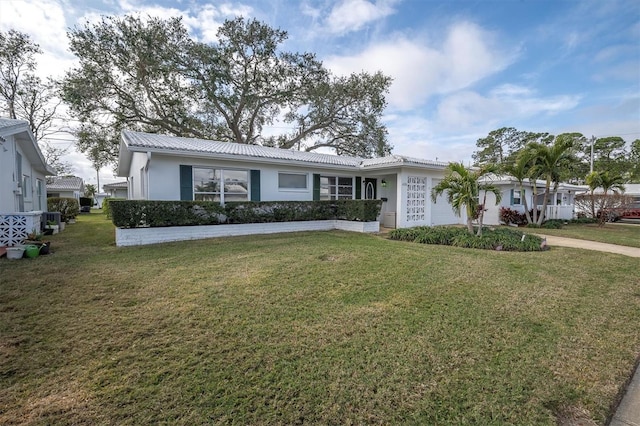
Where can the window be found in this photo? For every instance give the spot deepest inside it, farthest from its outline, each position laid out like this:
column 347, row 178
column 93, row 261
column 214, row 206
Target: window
column 517, row 198
column 335, row 187
column 27, row 191
column 39, row 192
column 220, row 185
column 292, row 181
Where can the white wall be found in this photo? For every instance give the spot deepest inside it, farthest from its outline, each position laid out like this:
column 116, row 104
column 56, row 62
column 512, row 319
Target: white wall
column 7, row 169
column 401, row 219
column 8, row 179
column 164, row 176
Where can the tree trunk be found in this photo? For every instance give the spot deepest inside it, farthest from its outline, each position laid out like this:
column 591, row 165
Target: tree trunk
column 544, row 202
column 469, row 220
column 526, row 205
column 535, row 203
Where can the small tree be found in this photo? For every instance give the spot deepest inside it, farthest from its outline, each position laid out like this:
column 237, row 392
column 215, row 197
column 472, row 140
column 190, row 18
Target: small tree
column 463, row 187
column 608, row 182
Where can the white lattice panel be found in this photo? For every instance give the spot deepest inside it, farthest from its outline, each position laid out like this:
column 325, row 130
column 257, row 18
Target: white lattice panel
column 15, row 227
column 416, row 198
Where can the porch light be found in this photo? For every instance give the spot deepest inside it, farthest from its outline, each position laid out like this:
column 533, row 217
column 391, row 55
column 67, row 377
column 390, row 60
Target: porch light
column 383, row 183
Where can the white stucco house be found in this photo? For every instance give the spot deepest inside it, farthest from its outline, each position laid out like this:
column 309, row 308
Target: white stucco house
column 162, row 167
column 65, row 187
column 22, row 169
column 23, row 191
column 116, row 189
column 560, row 203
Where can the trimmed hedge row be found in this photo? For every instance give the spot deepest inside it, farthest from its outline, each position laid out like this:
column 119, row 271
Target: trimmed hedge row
column 142, row 213
column 497, row 239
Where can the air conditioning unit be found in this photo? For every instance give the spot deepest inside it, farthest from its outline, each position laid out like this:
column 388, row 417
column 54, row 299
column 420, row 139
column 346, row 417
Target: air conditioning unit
column 17, row 188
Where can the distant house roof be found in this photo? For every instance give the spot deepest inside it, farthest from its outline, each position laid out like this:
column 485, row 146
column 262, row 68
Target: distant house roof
column 510, row 180
column 22, row 132
column 116, row 185
column 65, row 183
column 148, row 142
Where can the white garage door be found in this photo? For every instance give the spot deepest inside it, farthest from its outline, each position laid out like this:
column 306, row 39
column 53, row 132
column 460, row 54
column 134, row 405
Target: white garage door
column 441, row 211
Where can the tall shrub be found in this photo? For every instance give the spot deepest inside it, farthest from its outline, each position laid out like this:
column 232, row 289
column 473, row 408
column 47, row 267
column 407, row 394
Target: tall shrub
column 69, row 208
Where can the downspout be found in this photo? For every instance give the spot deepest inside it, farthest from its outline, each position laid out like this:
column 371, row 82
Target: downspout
column 146, row 175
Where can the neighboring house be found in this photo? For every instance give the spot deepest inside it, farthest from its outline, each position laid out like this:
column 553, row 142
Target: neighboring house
column 560, row 203
column 633, row 190
column 65, row 187
column 117, row 189
column 22, row 169
column 162, row 167
column 98, row 198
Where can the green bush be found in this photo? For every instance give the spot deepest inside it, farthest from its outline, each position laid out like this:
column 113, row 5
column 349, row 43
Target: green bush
column 141, row 213
column 105, row 205
column 69, row 208
column 492, row 239
column 584, row 220
column 553, row 224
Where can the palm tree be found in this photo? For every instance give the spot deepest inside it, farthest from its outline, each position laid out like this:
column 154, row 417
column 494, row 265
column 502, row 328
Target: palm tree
column 608, row 182
column 520, row 169
column 463, row 187
column 549, row 161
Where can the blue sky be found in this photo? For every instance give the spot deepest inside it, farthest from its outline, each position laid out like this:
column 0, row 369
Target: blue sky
column 460, row 68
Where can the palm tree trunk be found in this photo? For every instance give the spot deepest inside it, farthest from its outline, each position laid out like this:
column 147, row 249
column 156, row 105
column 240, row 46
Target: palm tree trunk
column 544, row 202
column 535, row 203
column 526, row 205
column 469, row 220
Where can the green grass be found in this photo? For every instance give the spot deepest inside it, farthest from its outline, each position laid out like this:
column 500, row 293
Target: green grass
column 324, row 327
column 622, row 234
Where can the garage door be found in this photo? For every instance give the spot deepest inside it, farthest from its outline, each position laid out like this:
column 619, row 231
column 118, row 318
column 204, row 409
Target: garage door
column 441, row 211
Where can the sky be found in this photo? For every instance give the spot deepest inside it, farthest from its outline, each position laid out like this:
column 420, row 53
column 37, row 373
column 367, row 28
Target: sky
column 460, row 68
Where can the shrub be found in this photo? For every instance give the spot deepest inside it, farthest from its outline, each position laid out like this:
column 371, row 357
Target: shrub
column 105, row 205
column 508, row 216
column 69, row 208
column 141, row 213
column 492, row 239
column 553, row 224
column 584, row 220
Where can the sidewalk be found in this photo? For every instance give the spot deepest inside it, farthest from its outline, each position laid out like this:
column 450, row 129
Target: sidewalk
column 591, row 245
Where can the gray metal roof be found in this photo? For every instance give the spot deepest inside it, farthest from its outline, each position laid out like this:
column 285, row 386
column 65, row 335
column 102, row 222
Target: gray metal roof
column 65, row 183
column 115, row 185
column 137, row 141
column 173, row 143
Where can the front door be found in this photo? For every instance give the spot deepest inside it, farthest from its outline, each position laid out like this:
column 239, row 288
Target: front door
column 370, row 189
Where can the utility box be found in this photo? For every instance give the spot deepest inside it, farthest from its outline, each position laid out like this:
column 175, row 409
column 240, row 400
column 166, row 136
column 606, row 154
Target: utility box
column 389, row 220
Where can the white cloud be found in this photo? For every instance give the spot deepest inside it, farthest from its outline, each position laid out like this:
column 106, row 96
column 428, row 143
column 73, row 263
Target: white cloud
column 352, row 15
column 420, row 70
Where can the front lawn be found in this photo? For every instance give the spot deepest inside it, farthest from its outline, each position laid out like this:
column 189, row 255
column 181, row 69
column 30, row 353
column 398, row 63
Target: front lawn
column 622, row 234
column 319, row 327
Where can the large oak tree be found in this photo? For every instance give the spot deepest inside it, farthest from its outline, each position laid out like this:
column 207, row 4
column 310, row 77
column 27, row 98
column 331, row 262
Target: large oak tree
column 151, row 75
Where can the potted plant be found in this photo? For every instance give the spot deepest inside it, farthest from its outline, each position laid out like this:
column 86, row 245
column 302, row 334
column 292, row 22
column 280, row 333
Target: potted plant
column 51, row 228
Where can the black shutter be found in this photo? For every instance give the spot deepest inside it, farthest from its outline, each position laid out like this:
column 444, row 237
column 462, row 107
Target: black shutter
column 316, row 187
column 358, row 188
column 255, row 185
column 186, row 183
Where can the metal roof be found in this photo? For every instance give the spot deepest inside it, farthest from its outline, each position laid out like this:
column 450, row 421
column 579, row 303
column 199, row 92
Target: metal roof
column 115, row 185
column 149, row 142
column 65, row 183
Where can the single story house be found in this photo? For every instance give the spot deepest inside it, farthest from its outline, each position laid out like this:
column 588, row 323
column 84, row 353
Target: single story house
column 65, row 187
column 22, row 169
column 560, row 203
column 117, row 189
column 163, row 167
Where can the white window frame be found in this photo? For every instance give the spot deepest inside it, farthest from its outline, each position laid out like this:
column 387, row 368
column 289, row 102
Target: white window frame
column 27, row 189
column 222, row 192
column 285, row 189
column 337, row 187
column 519, row 198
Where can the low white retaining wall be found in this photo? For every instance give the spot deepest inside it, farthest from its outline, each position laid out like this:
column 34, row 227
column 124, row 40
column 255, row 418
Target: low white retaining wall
column 143, row 236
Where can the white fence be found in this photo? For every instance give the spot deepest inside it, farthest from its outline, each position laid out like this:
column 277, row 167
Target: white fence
column 143, row 236
column 559, row 212
column 15, row 227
